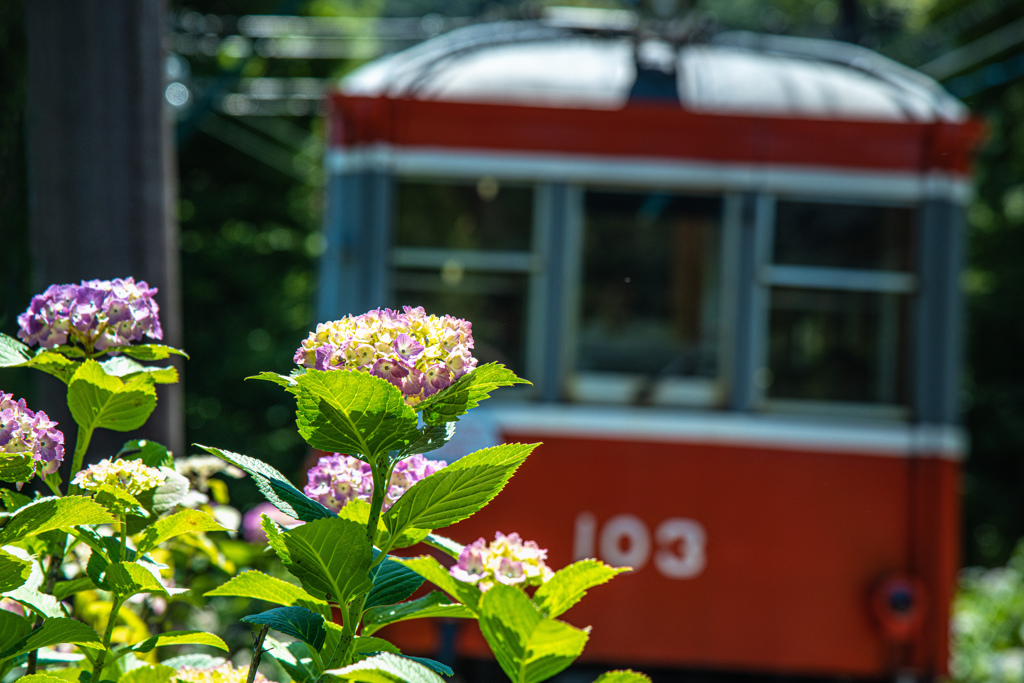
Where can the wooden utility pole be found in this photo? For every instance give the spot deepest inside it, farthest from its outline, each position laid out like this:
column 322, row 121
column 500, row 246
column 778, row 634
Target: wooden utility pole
column 101, row 168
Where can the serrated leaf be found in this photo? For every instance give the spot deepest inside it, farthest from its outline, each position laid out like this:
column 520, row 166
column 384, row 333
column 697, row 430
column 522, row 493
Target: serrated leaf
column 126, row 368
column 431, row 437
column 569, row 584
column 288, row 382
column 13, row 627
column 259, row 586
column 432, row 570
column 12, row 351
column 433, row 604
column 160, row 499
column 179, row 638
column 386, row 668
column 529, row 648
column 53, row 632
column 14, row 354
column 182, row 522
column 13, row 500
column 130, row 578
column 17, row 467
column 457, row 491
column 466, row 392
column 392, row 582
column 295, row 658
column 51, row 513
column 14, row 571
column 153, row 673
column 275, row 487
column 432, row 664
column 353, row 412
column 151, row 351
column 65, row 589
column 623, row 676
column 446, row 545
column 151, row 453
column 297, row 622
column 331, row 557
column 97, row 399
column 118, row 501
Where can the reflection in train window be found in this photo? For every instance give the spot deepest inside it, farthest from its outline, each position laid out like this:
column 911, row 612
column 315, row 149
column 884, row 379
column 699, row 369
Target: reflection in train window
column 648, row 322
column 843, row 236
column 487, row 214
column 838, row 346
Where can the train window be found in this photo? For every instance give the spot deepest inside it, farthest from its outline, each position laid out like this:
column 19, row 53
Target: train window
column 838, row 346
column 843, row 236
column 648, row 311
column 487, row 214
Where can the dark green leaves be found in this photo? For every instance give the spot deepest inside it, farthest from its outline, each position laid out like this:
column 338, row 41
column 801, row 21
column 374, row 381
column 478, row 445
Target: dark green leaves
column 275, row 487
column 433, row 604
column 331, row 557
column 466, row 392
column 457, row 491
column 297, row 622
column 392, row 583
column 14, row 571
column 352, row 412
column 387, row 668
column 97, row 399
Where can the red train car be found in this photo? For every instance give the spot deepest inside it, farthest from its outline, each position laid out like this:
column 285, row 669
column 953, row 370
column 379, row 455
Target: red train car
column 730, row 268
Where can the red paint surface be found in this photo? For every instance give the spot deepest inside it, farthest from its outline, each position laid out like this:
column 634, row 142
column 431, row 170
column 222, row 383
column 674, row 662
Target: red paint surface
column 655, row 132
column 795, row 543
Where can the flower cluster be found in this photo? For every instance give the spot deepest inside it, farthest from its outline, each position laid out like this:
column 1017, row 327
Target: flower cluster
column 225, row 673
column 418, row 353
column 131, row 476
column 508, row 560
column 24, row 432
column 336, row 479
column 98, row 314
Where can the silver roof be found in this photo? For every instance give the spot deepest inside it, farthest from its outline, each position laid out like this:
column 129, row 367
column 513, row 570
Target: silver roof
column 533, row 63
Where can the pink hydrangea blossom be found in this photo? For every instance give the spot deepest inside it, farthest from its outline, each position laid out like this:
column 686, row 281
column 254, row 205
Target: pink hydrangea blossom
column 252, row 526
column 507, row 559
column 337, row 479
column 418, row 353
column 25, row 432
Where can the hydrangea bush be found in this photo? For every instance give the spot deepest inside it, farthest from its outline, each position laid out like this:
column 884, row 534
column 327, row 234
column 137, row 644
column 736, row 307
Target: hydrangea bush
column 375, row 392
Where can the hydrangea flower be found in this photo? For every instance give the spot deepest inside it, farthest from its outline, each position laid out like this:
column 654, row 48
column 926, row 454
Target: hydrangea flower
column 418, row 353
column 252, row 527
column 224, row 673
column 131, row 476
column 336, row 479
column 23, row 431
column 507, row 559
column 98, row 314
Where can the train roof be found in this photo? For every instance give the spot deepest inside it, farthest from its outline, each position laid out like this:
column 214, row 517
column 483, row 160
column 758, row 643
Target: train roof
column 541, row 63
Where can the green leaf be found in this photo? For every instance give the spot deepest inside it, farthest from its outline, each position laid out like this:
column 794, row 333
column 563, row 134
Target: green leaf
column 331, row 557
column 446, row 545
column 13, row 628
column 364, row 645
column 151, row 453
column 433, row 604
column 432, row 664
column 528, row 647
column 14, row 354
column 182, row 522
column 297, row 622
column 259, row 586
column 159, row 500
column 97, row 399
column 119, row 501
column 13, row 501
column 151, row 351
column 466, row 392
column 28, row 593
column 347, row 411
column 67, row 588
column 432, row 570
column 14, row 571
column 456, row 491
column 386, row 668
column 392, row 582
column 179, row 638
column 51, row 513
column 12, row 351
column 18, row 467
column 431, row 437
column 53, row 632
column 295, row 658
column 570, row 584
column 126, row 368
column 286, row 381
column 153, row 673
column 130, row 578
column 41, row 678
column 622, row 676
column 275, row 487
column 195, row 660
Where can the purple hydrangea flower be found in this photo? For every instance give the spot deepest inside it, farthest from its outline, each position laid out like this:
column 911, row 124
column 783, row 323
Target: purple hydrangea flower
column 25, row 432
column 337, row 479
column 97, row 314
column 507, row 560
column 418, row 353
column 252, row 527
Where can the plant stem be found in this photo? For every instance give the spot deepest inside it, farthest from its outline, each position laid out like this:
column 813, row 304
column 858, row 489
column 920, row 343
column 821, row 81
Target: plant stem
column 81, row 446
column 51, row 581
column 97, row 668
column 257, row 653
